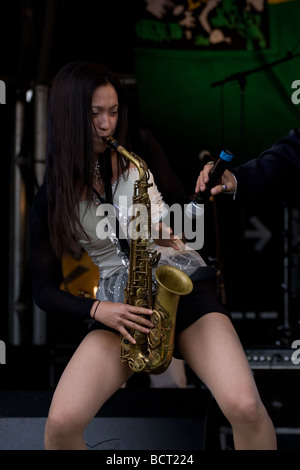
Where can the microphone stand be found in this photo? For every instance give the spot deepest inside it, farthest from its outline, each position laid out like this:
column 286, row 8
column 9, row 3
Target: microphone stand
column 241, row 77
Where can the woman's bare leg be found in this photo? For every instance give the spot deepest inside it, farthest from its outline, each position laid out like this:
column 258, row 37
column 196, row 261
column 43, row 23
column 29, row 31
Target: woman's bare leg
column 213, row 350
column 93, row 374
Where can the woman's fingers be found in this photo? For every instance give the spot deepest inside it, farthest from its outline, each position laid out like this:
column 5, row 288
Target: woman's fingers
column 138, row 323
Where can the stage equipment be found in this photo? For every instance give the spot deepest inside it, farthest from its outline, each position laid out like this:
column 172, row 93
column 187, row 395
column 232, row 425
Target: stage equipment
column 18, row 239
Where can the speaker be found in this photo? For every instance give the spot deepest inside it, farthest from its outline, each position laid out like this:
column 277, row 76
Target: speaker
column 280, row 391
column 148, row 419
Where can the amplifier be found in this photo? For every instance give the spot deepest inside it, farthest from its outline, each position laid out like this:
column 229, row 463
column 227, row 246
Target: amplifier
column 273, row 358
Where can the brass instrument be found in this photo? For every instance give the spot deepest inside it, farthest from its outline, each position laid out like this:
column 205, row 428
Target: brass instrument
column 152, row 352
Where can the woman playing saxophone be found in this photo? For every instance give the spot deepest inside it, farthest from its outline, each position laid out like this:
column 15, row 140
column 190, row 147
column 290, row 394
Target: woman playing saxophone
column 83, row 173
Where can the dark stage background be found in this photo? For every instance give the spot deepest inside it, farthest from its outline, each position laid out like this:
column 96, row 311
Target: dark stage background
column 179, row 62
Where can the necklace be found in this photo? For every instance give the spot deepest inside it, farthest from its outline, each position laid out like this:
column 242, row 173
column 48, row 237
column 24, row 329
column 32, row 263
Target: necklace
column 97, row 175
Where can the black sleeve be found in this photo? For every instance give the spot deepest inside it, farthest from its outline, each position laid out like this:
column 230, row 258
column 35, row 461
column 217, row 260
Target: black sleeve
column 274, row 170
column 46, row 271
column 146, row 146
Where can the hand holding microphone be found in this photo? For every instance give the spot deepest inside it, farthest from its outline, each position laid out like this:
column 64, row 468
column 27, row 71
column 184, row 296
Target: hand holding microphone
column 207, row 183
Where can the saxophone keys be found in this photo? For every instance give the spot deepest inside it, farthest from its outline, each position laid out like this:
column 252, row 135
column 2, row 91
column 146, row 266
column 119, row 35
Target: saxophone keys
column 141, row 293
column 144, row 255
column 155, row 358
column 155, row 336
column 141, row 303
column 156, row 319
column 138, row 364
column 125, row 344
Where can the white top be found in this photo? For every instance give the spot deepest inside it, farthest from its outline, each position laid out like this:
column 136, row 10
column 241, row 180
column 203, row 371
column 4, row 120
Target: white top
column 98, row 243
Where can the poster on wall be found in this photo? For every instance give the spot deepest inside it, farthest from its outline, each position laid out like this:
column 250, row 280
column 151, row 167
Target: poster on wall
column 203, row 24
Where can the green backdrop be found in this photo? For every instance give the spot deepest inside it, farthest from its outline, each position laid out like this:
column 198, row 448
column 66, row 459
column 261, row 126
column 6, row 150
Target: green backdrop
column 188, row 115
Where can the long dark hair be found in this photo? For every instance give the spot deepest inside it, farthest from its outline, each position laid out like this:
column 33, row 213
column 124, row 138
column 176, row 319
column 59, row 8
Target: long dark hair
column 70, row 151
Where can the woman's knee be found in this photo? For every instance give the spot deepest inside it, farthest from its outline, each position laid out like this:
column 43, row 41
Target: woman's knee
column 246, row 408
column 59, row 427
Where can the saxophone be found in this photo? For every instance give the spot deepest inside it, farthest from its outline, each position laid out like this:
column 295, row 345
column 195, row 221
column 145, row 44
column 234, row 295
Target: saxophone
column 153, row 351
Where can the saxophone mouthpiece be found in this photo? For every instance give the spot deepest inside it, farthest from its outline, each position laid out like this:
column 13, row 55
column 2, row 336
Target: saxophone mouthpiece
column 113, row 143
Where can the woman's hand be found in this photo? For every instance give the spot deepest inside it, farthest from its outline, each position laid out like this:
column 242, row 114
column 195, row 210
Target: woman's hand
column 121, row 316
column 227, row 184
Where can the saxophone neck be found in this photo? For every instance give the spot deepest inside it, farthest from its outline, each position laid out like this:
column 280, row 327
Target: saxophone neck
column 135, row 159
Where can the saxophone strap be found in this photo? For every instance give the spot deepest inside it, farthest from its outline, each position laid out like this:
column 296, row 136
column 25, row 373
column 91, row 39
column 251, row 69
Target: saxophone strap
column 124, row 245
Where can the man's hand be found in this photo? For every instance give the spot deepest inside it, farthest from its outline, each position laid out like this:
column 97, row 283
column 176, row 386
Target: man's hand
column 228, row 182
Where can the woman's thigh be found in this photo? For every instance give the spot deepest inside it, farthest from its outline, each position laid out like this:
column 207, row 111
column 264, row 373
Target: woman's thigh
column 213, row 350
column 92, row 375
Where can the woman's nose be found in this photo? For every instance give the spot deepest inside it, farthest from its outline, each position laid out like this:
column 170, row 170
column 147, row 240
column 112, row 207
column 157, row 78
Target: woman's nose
column 103, row 121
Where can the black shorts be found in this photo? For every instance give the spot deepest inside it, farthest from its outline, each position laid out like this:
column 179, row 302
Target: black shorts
column 199, row 302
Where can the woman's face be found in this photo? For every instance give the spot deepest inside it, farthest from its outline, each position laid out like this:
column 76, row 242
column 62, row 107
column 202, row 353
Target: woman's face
column 105, row 106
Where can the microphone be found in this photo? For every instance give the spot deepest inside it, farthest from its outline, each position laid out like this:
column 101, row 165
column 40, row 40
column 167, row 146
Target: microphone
column 222, row 163
column 196, row 208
